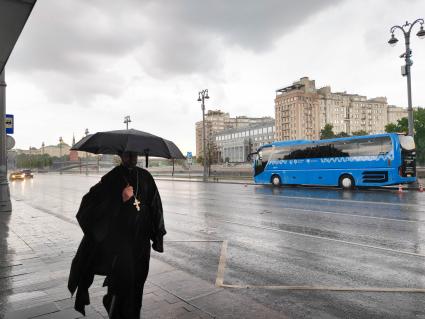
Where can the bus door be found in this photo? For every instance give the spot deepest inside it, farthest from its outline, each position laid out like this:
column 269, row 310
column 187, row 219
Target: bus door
column 408, row 156
column 261, row 158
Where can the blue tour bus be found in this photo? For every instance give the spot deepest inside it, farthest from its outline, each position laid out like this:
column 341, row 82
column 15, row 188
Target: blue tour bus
column 372, row 160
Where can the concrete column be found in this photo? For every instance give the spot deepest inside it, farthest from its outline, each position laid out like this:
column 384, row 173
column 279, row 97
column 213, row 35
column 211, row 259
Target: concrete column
column 5, row 204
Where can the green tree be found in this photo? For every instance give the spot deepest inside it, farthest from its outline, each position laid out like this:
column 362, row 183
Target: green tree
column 391, row 128
column 327, row 132
column 419, row 127
column 342, row 134
column 33, row 161
column 359, row 133
column 400, row 127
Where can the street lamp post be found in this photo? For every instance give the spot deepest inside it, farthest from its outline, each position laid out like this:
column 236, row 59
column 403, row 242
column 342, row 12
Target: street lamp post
column 202, row 95
column 60, row 154
column 42, row 154
column 406, row 29
column 87, row 157
column 127, row 120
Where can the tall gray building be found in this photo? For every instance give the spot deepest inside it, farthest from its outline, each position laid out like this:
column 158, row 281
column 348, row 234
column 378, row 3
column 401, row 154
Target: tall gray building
column 234, row 145
column 216, row 121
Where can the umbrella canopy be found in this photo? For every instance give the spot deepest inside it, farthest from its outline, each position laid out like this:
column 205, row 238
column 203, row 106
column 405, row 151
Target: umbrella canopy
column 116, row 142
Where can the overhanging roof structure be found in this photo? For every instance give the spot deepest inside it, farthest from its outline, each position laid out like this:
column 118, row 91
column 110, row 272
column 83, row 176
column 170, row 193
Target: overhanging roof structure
column 290, row 88
column 13, row 16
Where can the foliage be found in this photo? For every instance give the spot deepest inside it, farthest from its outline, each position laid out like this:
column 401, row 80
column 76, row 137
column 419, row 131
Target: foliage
column 327, row 132
column 391, row 128
column 359, row 133
column 212, row 154
column 342, row 134
column 419, row 128
column 33, row 161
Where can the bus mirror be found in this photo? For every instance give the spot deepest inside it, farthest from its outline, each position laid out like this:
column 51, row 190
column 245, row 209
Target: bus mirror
column 250, row 156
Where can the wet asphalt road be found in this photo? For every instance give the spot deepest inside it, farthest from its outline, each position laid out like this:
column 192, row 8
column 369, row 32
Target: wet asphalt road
column 280, row 237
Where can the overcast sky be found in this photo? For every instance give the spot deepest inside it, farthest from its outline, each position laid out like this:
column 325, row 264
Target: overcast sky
column 86, row 64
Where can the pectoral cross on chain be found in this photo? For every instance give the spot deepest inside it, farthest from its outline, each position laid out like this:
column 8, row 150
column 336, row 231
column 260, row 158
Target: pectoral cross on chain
column 137, row 204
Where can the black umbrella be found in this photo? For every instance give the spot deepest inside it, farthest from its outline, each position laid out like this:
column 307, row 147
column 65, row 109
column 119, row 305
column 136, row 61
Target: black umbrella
column 116, row 142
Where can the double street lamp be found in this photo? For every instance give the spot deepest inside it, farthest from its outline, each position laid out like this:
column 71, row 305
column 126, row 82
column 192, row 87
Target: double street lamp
column 202, row 95
column 405, row 70
column 127, row 120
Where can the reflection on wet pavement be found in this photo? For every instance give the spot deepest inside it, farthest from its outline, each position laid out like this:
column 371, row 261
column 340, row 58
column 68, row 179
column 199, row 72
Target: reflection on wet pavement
column 276, row 236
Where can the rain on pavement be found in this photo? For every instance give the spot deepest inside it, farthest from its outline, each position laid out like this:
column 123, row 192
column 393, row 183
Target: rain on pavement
column 279, row 237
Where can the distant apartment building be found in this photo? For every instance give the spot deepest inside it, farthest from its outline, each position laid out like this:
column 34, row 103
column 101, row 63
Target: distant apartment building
column 216, row 121
column 297, row 111
column 234, row 145
column 396, row 113
column 302, row 111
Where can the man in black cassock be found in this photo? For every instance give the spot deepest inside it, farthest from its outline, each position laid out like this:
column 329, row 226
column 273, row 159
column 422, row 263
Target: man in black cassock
column 119, row 216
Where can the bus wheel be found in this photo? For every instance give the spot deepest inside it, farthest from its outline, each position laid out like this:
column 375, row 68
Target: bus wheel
column 346, row 182
column 276, row 180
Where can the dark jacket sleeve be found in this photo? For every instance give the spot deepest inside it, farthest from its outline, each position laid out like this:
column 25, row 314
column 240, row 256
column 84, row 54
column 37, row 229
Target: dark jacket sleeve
column 96, row 209
column 157, row 216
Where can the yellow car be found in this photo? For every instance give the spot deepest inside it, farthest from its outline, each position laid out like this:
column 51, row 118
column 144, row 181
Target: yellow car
column 16, row 175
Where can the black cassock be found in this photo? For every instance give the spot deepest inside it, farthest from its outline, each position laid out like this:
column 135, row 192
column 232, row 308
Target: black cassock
column 116, row 241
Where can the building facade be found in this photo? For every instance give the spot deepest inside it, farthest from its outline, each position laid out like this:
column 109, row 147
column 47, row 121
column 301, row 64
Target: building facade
column 217, row 121
column 297, row 111
column 302, row 111
column 396, row 113
column 234, row 145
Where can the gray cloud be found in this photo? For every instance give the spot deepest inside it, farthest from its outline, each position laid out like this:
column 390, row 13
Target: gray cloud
column 72, row 39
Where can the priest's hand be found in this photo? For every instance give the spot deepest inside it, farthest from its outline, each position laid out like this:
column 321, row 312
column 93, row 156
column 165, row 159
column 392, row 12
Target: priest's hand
column 127, row 193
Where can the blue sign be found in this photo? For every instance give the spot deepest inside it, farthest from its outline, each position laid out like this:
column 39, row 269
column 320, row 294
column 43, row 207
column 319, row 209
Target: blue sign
column 189, row 155
column 8, row 121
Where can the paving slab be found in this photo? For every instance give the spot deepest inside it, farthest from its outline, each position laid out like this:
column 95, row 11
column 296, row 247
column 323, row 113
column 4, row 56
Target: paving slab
column 32, row 312
column 234, row 306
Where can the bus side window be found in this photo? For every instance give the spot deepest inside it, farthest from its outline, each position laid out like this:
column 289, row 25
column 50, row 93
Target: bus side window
column 386, row 146
column 280, row 153
column 350, row 147
column 375, row 147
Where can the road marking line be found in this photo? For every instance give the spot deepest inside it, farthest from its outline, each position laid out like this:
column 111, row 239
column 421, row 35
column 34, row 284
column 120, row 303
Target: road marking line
column 349, row 214
column 324, row 288
column 221, row 265
column 355, row 215
column 341, row 200
column 193, row 241
column 328, row 239
column 344, row 200
column 317, row 237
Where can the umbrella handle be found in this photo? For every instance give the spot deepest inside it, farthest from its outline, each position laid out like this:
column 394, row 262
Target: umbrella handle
column 147, row 157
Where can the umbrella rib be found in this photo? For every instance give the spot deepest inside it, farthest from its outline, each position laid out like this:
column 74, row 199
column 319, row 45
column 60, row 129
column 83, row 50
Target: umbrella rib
column 166, row 147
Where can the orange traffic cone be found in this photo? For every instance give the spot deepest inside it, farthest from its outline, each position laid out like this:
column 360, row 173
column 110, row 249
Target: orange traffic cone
column 421, row 188
column 400, row 188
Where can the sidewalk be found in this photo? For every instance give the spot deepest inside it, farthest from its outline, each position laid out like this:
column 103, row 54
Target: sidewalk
column 36, row 249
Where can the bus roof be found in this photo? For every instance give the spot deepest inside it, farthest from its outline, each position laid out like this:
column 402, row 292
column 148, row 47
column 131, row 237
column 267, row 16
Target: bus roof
column 338, row 139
